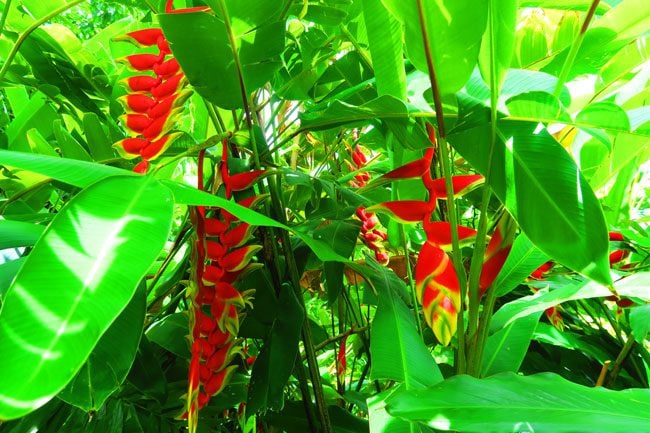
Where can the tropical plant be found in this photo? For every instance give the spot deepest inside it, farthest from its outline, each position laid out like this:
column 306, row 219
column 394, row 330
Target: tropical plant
column 324, row 216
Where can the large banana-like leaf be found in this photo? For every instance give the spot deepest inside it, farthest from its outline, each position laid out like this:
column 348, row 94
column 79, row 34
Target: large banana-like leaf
column 80, row 275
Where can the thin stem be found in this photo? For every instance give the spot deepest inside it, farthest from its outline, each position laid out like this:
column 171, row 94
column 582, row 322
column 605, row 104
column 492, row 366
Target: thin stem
column 23, row 36
column 5, row 13
column 215, row 118
column 618, row 364
column 603, row 373
column 323, row 344
column 445, row 162
column 573, row 52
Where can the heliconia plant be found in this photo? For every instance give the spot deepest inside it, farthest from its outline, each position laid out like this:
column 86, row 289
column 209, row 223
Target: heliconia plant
column 221, row 254
column 324, row 216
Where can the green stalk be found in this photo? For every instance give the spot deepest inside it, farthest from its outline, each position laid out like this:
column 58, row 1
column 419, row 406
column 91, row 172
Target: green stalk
column 446, row 168
column 23, row 36
column 571, row 57
column 5, row 13
column 475, row 351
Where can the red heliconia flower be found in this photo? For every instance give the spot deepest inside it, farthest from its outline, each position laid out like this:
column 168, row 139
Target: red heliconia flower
column 341, row 360
column 167, row 68
column 616, row 236
column 439, row 234
column 142, row 62
column 538, row 274
column 413, row 169
column 236, row 236
column 497, row 251
column 618, row 256
column 142, row 83
column 407, row 211
column 142, row 38
column 137, row 102
column 461, row 185
column 238, row 259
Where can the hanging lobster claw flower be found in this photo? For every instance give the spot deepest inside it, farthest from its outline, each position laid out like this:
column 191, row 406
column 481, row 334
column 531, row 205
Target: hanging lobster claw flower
column 497, row 251
column 438, row 290
column 538, row 274
column 417, row 168
column 136, row 102
column 216, row 384
column 167, row 68
column 161, row 125
column 130, row 148
column 215, row 250
column 439, row 234
column 156, row 148
column 236, row 236
column 462, row 185
column 238, row 259
column 141, row 167
column 215, row 226
column 169, row 86
column 142, row 62
column 136, row 122
column 170, row 102
column 142, row 38
column 140, row 83
column 405, row 211
column 618, row 256
column 242, row 181
column 222, row 357
column 229, row 294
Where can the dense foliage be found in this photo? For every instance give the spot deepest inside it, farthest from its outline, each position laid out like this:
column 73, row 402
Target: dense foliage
column 324, row 216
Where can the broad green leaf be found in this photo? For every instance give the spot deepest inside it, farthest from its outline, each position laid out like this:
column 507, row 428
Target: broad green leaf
column 292, row 419
column 110, row 360
column 15, row 234
column 630, row 57
column 277, row 357
column 170, row 333
column 38, row 112
column 246, row 15
column 398, row 352
column 206, row 56
column 69, row 146
column 93, row 254
column 637, row 285
column 385, row 46
column 603, row 115
column 74, row 172
column 146, row 373
column 545, row 193
column 498, row 44
column 543, row 403
column 523, row 259
column 99, row 141
column 381, row 421
column 82, row 173
column 640, row 322
column 538, row 106
column 454, row 29
column 505, row 349
column 626, row 148
column 546, row 333
column 571, row 5
column 8, row 271
column 38, row 144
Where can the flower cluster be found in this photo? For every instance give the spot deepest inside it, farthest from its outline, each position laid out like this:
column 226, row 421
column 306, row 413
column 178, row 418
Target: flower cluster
column 436, row 282
column 615, row 258
column 222, row 253
column 154, row 101
column 370, row 234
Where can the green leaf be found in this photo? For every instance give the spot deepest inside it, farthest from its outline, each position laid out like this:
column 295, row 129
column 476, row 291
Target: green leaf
column 100, row 143
column 454, row 29
column 498, row 44
column 8, row 271
column 74, row 172
column 571, row 5
column 15, row 234
column 543, row 403
column 385, row 46
column 505, row 349
column 110, row 361
column 277, row 357
column 523, row 259
column 69, row 146
column 206, row 56
column 171, row 333
column 545, row 193
column 603, row 115
column 538, row 105
column 640, row 322
column 398, row 352
column 637, row 285
column 546, row 333
column 93, row 254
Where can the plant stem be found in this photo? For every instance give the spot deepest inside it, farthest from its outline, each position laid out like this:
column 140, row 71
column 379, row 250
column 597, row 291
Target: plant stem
column 23, row 36
column 5, row 13
column 445, row 162
column 573, row 52
column 618, row 364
